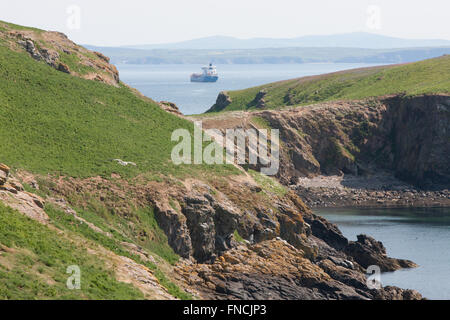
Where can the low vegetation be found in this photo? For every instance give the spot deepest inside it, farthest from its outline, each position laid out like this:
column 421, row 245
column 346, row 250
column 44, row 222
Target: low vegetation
column 114, row 242
column 53, row 122
column 268, row 184
column 34, row 259
column 423, row 77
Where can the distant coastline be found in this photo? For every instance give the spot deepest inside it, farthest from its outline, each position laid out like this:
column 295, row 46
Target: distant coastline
column 295, row 55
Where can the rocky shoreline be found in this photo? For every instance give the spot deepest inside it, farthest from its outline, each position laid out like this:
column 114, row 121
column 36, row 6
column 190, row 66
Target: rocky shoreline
column 376, row 191
column 275, row 269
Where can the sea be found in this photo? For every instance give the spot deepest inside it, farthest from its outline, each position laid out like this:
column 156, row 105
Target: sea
column 418, row 234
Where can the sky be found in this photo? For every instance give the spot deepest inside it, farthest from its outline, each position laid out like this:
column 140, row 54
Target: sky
column 132, row 22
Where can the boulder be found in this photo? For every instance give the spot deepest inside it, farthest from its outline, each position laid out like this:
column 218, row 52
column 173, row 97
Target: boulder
column 367, row 252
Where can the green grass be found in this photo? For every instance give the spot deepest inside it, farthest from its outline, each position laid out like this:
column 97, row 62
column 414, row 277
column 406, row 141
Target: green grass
column 65, row 221
column 261, row 123
column 423, row 77
column 10, row 25
column 268, row 184
column 37, row 246
column 139, row 227
column 74, row 64
column 238, row 237
column 57, row 123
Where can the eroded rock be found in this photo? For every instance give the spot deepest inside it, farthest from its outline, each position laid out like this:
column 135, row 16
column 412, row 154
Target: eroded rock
column 367, row 251
column 274, row 269
column 170, row 107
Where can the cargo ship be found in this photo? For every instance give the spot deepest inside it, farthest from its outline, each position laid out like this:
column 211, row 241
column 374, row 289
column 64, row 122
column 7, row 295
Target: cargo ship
column 209, row 74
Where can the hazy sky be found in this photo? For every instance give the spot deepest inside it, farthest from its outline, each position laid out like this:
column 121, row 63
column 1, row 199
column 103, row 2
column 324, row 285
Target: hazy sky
column 113, row 22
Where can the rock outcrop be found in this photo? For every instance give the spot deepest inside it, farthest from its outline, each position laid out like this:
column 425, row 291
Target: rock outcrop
column 223, row 100
column 290, row 254
column 170, row 107
column 4, row 173
column 259, row 101
column 13, row 194
column 261, row 246
column 56, row 50
column 274, row 269
column 367, row 252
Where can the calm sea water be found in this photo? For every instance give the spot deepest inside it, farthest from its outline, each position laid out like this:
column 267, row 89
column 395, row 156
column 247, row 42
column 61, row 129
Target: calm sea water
column 172, row 82
column 420, row 235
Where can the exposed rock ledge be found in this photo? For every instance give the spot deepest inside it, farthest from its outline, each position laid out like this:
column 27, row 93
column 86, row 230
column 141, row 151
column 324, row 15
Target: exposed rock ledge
column 13, row 195
column 170, row 107
column 274, row 269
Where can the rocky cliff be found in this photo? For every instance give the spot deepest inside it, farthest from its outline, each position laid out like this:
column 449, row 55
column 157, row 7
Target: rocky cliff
column 392, row 143
column 406, row 135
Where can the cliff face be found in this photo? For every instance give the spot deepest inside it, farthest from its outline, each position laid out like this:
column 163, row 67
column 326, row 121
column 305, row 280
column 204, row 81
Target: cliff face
column 408, row 136
column 418, row 148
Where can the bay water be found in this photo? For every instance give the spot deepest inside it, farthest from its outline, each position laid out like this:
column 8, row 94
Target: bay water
column 418, row 234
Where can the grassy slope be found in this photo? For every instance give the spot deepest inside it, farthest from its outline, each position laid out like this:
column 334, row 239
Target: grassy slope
column 10, row 25
column 59, row 124
column 428, row 76
column 33, row 264
column 54, row 122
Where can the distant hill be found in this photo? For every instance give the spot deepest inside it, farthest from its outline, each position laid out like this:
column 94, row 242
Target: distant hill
column 353, row 40
column 269, row 55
